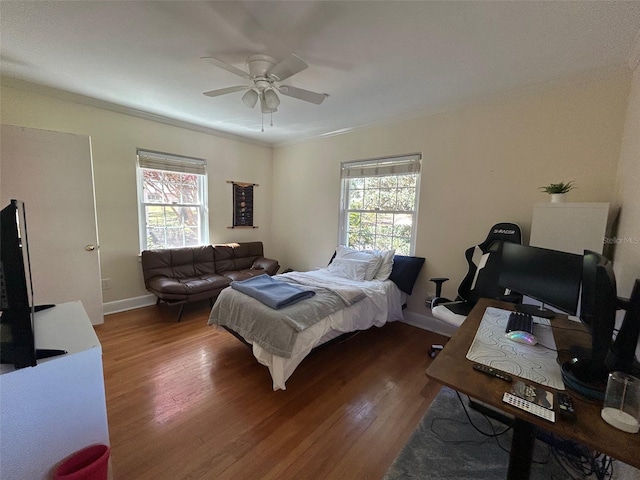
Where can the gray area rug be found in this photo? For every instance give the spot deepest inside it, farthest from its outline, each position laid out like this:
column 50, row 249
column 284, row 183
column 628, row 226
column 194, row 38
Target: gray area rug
column 445, row 445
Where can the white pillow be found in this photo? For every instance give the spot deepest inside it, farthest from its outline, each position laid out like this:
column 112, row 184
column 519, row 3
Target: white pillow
column 372, row 258
column 386, row 265
column 384, row 268
column 347, row 268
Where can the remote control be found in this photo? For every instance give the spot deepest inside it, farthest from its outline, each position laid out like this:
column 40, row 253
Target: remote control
column 527, row 406
column 565, row 406
column 492, row 371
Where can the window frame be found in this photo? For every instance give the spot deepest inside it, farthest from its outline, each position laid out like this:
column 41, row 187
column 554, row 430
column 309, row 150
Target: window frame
column 383, row 166
column 160, row 161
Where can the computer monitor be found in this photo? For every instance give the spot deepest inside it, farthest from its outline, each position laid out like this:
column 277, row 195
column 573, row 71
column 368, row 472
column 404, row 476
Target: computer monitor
column 587, row 371
column 548, row 276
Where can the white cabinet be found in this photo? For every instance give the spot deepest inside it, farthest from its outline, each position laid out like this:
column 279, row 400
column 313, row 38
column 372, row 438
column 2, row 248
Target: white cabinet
column 50, row 411
column 571, row 227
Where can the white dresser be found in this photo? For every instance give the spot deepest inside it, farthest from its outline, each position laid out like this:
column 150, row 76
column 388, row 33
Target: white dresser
column 572, row 227
column 58, row 407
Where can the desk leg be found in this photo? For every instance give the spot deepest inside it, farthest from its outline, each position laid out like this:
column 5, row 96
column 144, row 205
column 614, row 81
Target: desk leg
column 522, row 444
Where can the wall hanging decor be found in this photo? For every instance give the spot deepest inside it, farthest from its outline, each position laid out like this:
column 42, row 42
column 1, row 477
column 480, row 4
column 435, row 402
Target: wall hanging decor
column 242, row 204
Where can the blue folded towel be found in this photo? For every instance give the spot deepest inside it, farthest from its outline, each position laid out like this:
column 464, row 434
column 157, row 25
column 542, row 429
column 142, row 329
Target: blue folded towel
column 271, row 292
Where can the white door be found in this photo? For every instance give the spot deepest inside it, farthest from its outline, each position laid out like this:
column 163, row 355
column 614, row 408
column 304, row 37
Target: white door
column 52, row 173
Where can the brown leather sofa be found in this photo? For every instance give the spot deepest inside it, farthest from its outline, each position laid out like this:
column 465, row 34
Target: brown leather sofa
column 186, row 274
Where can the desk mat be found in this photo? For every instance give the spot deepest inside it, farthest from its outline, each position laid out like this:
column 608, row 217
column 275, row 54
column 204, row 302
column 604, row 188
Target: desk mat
column 536, row 363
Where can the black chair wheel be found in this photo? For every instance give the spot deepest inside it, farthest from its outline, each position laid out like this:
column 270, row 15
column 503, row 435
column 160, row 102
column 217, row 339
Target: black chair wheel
column 435, row 350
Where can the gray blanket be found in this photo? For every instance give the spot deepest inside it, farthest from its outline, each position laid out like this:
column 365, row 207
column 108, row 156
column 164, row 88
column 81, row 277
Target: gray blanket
column 275, row 330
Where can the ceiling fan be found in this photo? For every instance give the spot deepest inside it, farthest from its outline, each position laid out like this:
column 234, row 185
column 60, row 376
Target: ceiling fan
column 265, row 73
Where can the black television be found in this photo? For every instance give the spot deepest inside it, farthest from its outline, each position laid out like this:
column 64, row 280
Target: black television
column 548, row 276
column 17, row 343
column 587, row 372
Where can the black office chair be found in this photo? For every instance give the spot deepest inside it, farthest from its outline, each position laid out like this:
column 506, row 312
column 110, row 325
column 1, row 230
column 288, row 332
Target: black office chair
column 481, row 280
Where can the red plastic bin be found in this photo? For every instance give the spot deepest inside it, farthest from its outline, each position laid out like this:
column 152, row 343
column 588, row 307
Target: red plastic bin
column 91, row 463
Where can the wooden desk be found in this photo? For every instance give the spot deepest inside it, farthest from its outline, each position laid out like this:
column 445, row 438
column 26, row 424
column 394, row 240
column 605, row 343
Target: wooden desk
column 451, row 368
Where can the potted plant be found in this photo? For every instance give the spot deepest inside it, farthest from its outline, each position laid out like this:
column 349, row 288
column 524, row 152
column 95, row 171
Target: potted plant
column 557, row 190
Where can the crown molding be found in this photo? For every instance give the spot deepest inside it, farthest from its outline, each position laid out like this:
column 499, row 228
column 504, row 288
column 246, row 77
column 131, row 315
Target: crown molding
column 582, row 77
column 113, row 107
column 461, row 103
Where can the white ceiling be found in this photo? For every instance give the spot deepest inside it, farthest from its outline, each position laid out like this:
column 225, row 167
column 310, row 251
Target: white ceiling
column 379, row 61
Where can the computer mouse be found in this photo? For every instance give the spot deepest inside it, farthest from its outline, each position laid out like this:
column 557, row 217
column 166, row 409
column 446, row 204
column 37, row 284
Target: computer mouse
column 522, row 337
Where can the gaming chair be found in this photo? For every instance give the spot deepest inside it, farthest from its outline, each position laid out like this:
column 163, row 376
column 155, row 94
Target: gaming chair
column 481, row 280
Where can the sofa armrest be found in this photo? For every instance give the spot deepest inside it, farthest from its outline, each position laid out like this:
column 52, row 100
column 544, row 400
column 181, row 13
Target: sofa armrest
column 267, row 264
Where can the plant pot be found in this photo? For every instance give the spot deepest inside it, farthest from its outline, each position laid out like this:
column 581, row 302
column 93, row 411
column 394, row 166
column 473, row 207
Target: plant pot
column 557, row 197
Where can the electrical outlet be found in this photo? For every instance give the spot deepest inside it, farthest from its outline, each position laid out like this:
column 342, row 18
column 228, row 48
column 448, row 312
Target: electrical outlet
column 106, row 283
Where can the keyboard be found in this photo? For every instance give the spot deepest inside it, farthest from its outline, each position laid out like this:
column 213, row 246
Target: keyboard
column 519, row 321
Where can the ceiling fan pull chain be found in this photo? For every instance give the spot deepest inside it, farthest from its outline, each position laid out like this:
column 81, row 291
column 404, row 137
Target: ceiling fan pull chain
column 272, row 118
column 262, row 126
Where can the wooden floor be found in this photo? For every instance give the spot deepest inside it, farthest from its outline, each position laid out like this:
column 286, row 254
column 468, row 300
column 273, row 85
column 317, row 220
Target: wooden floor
column 186, row 401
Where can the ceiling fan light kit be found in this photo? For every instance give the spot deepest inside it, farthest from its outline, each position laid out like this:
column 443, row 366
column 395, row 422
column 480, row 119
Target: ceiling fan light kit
column 264, row 107
column 264, row 73
column 271, row 98
column 250, row 98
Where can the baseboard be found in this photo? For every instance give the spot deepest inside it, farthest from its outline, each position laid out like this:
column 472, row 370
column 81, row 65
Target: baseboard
column 416, row 319
column 128, row 304
column 428, row 322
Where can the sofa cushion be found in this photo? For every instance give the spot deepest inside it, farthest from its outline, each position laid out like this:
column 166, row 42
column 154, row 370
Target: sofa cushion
column 232, row 257
column 181, row 289
column 184, row 262
column 216, row 281
column 189, row 286
column 265, row 265
column 244, row 274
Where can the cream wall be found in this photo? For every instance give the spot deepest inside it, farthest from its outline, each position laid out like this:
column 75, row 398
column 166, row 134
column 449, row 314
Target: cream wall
column 482, row 164
column 114, row 139
column 627, row 250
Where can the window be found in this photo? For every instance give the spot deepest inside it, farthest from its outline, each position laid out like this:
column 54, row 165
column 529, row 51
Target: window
column 172, row 198
column 379, row 203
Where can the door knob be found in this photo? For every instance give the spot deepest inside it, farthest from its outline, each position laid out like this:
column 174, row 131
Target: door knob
column 90, row 248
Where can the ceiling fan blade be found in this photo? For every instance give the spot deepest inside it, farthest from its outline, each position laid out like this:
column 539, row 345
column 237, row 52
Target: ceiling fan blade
column 227, row 67
column 224, row 91
column 287, row 67
column 302, row 94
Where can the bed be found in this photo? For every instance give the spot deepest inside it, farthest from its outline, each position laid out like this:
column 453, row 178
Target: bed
column 344, row 301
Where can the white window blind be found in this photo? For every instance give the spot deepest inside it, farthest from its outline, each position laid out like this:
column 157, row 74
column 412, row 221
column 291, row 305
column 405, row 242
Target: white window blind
column 171, row 163
column 382, row 166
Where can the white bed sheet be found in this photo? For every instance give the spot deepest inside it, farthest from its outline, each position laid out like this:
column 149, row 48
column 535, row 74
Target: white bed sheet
column 383, row 304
